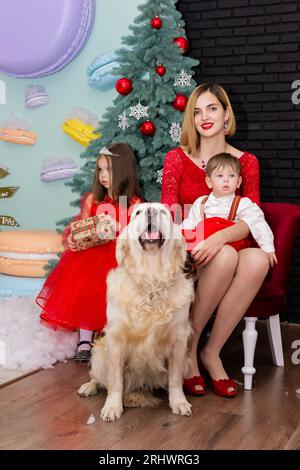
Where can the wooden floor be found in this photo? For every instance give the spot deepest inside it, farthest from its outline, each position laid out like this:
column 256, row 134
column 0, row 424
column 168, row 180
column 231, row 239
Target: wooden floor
column 43, row 411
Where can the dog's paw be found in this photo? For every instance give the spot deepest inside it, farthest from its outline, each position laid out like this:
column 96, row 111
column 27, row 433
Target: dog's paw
column 111, row 413
column 182, row 408
column 88, row 389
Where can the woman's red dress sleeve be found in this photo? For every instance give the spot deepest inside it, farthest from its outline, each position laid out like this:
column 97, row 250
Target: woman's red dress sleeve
column 172, row 172
column 250, row 174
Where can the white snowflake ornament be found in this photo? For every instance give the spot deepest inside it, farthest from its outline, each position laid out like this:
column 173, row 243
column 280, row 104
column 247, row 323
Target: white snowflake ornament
column 123, row 121
column 139, row 111
column 159, row 176
column 183, row 79
column 175, row 132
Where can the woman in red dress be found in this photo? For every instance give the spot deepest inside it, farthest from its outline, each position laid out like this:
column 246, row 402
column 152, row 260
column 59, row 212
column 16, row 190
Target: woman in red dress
column 74, row 295
column 228, row 280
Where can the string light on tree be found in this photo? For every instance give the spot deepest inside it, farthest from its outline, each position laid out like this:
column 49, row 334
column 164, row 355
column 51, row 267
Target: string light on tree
column 139, row 111
column 183, row 79
column 175, row 132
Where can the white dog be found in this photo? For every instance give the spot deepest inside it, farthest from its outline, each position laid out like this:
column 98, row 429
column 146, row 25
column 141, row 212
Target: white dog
column 145, row 341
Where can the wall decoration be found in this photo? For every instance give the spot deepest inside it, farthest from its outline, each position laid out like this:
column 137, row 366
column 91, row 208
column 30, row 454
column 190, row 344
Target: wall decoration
column 16, row 130
column 100, row 72
column 42, row 48
column 12, row 286
column 2, row 92
column 55, row 168
column 26, row 252
column 81, row 124
column 3, row 171
column 8, row 191
column 35, row 96
column 8, row 221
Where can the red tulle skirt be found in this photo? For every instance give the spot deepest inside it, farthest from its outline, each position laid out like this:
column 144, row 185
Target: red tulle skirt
column 74, row 294
column 208, row 227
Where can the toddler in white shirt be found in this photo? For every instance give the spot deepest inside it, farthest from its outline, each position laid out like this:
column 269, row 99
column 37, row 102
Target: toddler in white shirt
column 223, row 177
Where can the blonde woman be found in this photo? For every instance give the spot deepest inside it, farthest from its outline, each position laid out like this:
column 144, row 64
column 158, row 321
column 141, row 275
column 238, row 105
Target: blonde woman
column 228, row 280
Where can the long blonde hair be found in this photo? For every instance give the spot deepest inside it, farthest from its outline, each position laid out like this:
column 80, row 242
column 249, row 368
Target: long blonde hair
column 190, row 138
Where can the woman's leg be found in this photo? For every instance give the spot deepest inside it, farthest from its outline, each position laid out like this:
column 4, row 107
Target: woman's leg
column 214, row 280
column 251, row 270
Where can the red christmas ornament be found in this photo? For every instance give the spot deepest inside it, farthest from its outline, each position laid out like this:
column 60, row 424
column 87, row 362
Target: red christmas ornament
column 160, row 69
column 182, row 43
column 180, row 102
column 148, row 128
column 156, row 22
column 124, row 86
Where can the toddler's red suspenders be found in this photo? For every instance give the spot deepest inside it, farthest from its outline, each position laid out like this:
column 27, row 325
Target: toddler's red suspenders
column 233, row 208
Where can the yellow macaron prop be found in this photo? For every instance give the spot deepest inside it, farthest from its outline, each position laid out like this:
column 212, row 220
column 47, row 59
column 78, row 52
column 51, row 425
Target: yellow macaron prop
column 81, row 125
column 27, row 252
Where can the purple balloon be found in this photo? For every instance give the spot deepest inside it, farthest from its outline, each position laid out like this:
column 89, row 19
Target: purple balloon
column 40, row 38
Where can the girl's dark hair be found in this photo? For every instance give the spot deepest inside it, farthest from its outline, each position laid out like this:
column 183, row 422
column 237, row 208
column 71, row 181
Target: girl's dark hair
column 124, row 173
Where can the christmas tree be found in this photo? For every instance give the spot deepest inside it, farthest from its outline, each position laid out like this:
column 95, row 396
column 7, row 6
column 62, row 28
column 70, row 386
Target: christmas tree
column 148, row 110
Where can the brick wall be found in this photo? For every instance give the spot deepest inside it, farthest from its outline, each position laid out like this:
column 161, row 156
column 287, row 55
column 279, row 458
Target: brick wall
column 252, row 48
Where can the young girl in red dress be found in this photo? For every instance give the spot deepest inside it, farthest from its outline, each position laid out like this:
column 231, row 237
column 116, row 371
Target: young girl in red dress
column 74, row 295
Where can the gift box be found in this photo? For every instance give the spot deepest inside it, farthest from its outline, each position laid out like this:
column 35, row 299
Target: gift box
column 93, row 231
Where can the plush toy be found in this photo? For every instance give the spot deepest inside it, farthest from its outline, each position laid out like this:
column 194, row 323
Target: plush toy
column 26, row 252
column 100, row 72
column 81, row 125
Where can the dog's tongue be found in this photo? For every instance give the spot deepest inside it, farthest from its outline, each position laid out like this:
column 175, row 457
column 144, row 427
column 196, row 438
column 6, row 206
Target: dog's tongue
column 151, row 235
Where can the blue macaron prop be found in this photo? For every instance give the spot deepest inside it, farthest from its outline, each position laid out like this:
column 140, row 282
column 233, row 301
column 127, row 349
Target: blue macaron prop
column 100, row 74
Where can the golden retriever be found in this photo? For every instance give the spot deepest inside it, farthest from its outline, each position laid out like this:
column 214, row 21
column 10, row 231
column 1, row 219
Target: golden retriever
column 148, row 300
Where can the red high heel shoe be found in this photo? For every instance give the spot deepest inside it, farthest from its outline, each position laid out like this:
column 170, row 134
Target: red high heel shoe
column 191, row 386
column 220, row 387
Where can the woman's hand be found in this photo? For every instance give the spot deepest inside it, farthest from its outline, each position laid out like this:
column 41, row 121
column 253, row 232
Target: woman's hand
column 207, row 249
column 71, row 243
column 272, row 259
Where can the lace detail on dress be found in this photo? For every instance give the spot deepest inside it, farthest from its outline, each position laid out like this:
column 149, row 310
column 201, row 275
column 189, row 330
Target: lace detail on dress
column 173, row 168
column 250, row 174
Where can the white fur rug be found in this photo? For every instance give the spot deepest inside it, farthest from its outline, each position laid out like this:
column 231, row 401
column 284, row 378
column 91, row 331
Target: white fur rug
column 25, row 343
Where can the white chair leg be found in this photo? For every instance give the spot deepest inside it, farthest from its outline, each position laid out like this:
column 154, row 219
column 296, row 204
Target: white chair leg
column 274, row 332
column 249, row 341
